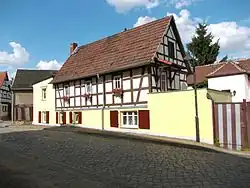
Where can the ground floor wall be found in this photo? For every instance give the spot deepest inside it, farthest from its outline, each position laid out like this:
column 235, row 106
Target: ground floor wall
column 170, row 114
column 5, row 111
column 23, row 113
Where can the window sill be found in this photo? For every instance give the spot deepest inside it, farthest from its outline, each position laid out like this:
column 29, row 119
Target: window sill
column 130, row 126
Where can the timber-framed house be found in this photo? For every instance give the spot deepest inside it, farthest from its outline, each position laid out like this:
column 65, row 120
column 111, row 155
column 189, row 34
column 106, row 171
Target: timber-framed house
column 119, row 71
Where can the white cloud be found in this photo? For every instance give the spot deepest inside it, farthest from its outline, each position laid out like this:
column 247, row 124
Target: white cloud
column 143, row 20
column 231, row 35
column 18, row 57
column 182, row 3
column 126, row 5
column 186, row 25
column 234, row 38
column 48, row 65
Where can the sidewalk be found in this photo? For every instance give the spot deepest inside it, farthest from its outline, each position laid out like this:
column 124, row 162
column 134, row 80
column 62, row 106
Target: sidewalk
column 148, row 138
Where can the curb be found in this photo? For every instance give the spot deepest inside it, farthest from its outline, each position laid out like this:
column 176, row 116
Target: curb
column 152, row 139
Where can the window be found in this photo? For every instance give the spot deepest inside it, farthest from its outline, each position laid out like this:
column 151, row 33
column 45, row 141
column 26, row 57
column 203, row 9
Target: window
column 44, row 117
column 117, row 82
column 130, row 119
column 88, row 87
column 61, row 118
column 66, row 89
column 43, row 93
column 171, row 50
column 76, row 117
column 163, row 81
column 4, row 108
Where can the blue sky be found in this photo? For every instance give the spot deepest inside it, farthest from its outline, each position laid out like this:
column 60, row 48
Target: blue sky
column 40, row 31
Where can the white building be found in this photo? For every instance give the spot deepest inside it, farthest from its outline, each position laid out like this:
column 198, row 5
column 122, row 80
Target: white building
column 230, row 76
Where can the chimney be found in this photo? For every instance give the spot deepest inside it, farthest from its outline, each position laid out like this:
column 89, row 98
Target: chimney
column 73, row 46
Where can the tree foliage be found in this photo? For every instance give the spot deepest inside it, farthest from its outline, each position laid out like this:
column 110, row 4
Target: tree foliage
column 202, row 48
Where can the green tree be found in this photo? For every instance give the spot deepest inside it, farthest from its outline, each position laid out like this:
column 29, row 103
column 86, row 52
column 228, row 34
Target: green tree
column 202, row 48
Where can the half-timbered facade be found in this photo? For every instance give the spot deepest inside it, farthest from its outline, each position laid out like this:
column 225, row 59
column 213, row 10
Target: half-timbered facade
column 5, row 96
column 119, row 71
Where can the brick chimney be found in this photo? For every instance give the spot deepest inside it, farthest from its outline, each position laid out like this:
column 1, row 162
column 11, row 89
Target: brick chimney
column 73, row 46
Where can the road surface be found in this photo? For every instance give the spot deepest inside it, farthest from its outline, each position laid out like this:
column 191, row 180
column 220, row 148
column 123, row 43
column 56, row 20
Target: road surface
column 64, row 159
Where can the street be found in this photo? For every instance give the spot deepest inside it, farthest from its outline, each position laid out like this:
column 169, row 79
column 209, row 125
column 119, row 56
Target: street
column 45, row 158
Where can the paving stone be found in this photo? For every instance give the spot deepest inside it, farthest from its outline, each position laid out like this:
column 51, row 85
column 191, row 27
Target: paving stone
column 64, row 159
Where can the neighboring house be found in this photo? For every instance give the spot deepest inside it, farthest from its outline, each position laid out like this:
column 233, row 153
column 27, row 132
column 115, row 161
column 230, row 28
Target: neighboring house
column 23, row 92
column 227, row 76
column 5, row 96
column 44, row 102
column 115, row 75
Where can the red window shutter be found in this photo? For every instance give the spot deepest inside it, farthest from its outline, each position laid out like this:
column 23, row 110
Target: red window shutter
column 64, row 117
column 39, row 117
column 70, row 117
column 114, row 118
column 80, row 117
column 56, row 117
column 47, row 117
column 144, row 121
column 31, row 113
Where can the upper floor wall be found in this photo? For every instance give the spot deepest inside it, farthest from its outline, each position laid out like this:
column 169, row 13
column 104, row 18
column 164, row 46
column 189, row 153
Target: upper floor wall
column 126, row 88
column 174, row 75
column 44, row 96
column 23, row 97
column 237, row 83
column 5, row 92
column 170, row 49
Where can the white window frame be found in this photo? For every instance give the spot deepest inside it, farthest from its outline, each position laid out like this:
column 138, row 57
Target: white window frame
column 66, row 90
column 44, row 116
column 75, row 115
column 60, row 117
column 170, row 41
column 88, row 87
column 135, row 119
column 117, row 82
column 44, row 98
column 164, row 81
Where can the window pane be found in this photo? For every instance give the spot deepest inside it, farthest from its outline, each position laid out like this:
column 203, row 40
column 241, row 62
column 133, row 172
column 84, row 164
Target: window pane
column 130, row 120
column 118, row 83
column 124, row 120
column 135, row 120
column 130, row 113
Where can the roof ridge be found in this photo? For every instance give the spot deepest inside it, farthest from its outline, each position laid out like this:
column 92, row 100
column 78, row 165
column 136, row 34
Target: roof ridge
column 211, row 64
column 238, row 67
column 37, row 69
column 128, row 30
column 216, row 70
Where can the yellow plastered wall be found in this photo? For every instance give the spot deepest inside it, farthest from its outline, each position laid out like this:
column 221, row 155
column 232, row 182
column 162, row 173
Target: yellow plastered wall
column 107, row 118
column 93, row 118
column 172, row 114
column 44, row 105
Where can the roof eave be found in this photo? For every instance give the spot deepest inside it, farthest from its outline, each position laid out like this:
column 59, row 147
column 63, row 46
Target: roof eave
column 23, row 89
column 221, row 75
column 103, row 73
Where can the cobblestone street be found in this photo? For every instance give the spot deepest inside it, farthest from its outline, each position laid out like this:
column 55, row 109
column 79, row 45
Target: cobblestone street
column 64, row 159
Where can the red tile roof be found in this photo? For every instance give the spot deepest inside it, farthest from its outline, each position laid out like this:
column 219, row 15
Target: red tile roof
column 220, row 69
column 227, row 69
column 3, row 76
column 127, row 49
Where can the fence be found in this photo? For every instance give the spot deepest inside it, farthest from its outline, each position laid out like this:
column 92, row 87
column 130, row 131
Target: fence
column 23, row 113
column 232, row 125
